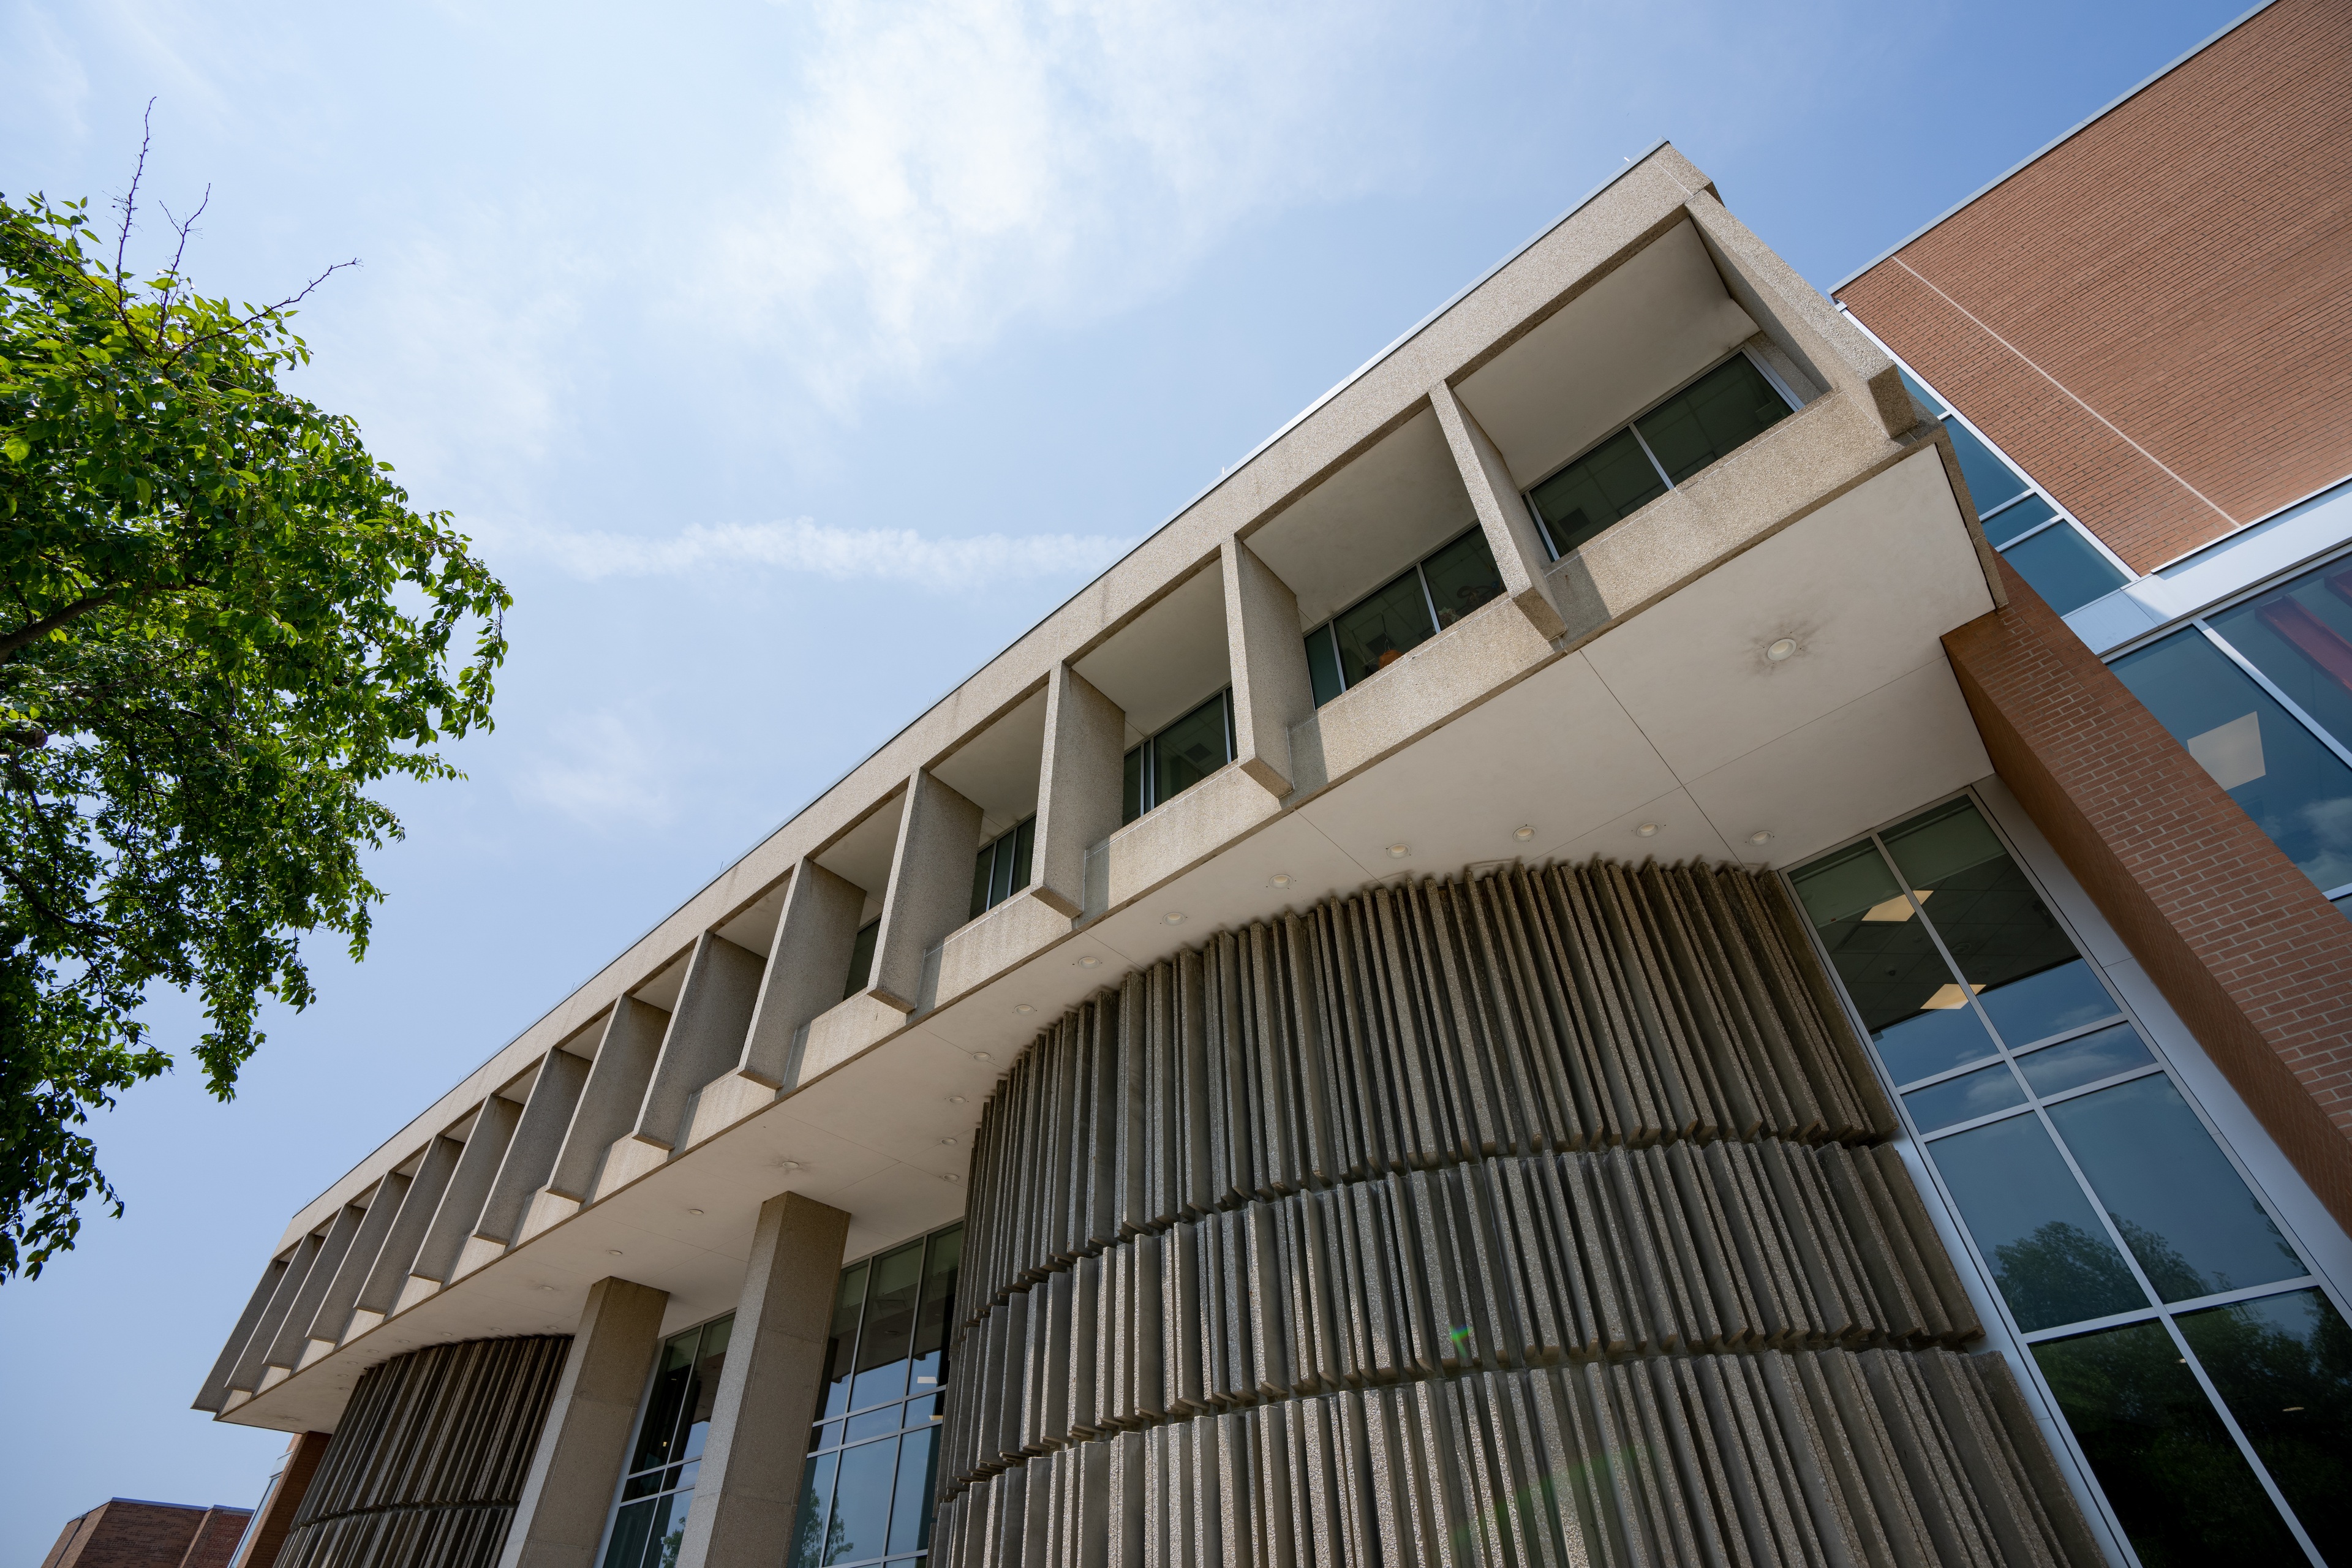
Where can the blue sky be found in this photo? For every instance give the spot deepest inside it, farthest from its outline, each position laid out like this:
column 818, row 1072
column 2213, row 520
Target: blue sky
column 788, row 361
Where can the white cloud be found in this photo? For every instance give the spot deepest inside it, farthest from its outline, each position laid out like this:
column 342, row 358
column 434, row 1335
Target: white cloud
column 886, row 554
column 603, row 771
column 944, row 169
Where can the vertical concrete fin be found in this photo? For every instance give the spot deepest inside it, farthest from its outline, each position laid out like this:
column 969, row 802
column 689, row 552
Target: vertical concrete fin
column 390, row 1272
column 705, row 1036
column 538, row 1139
column 1503, row 514
column 750, row 1482
column 1272, row 690
column 332, row 1320
column 294, row 1334
column 253, row 1360
column 815, row 931
column 468, row 1189
column 568, row 1491
column 214, row 1392
column 1078, row 788
column 931, row 887
column 608, row 1104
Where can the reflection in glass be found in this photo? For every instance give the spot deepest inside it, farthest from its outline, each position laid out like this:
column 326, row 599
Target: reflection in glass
column 2174, row 1195
column 2065, row 568
column 1190, row 749
column 1380, row 630
column 2029, row 513
column 1614, row 479
column 1996, row 929
column 1991, row 481
column 861, row 958
column 848, row 1301
column 1707, row 420
column 2283, row 1366
column 2300, row 635
column 910, row 1512
column 861, row 1502
column 2047, row 1004
column 2294, row 788
column 1323, row 665
column 2057, row 1069
column 1461, row 577
column 2181, row 1490
column 1964, row 1099
column 2050, row 1254
column 658, row 1489
column 891, row 1298
column 811, row 1520
column 940, row 1267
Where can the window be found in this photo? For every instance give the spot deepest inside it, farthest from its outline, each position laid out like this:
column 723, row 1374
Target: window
column 861, row 959
column 1726, row 407
column 871, row 1479
column 2261, row 693
column 1178, row 756
column 1003, row 867
column 2204, row 1375
column 1401, row 614
column 658, row 1488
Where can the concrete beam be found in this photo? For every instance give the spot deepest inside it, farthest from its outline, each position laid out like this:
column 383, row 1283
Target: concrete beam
column 332, row 1320
column 214, row 1395
column 750, row 1478
column 568, row 1492
column 1503, row 514
column 253, row 1360
column 530, row 1156
column 608, row 1104
column 381, row 1294
column 705, row 1038
column 931, row 887
column 462, row 1200
column 1078, row 787
column 1272, row 690
column 294, row 1334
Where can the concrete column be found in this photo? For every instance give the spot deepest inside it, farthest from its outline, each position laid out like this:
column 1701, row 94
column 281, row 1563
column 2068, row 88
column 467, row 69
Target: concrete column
column 381, row 1294
column 705, row 1038
column 1272, row 690
column 530, row 1155
column 806, row 965
column 931, row 887
column 582, row 1448
column 1078, row 787
column 1793, row 314
column 1503, row 514
column 750, row 1479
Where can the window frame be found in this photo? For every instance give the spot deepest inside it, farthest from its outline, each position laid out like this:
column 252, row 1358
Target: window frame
column 1147, row 747
column 1913, row 1147
column 1772, row 378
column 637, row 1430
column 1327, row 628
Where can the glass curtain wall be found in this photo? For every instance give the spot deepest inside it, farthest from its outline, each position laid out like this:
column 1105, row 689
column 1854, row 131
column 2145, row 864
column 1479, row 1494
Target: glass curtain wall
column 1003, row 867
column 657, row 1489
column 2204, row 1372
column 1178, row 756
column 1401, row 614
column 871, row 1479
column 2261, row 693
column 1723, row 409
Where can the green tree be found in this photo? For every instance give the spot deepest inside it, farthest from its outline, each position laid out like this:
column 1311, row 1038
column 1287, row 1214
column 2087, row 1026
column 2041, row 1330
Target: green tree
column 220, row 622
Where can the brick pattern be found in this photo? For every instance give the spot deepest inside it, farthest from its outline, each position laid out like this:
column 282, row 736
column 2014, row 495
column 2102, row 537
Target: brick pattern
column 2242, row 945
column 124, row 1533
column 2184, row 266
column 284, row 1500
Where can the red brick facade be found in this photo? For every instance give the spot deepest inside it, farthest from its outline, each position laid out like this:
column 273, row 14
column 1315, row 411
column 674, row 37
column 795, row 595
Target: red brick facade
column 2162, row 304
column 2242, row 945
column 284, row 1497
column 122, row 1532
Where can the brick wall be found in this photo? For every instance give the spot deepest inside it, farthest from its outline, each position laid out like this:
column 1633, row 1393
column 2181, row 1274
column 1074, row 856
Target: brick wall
column 122, row 1532
column 2182, row 266
column 2242, row 945
column 285, row 1496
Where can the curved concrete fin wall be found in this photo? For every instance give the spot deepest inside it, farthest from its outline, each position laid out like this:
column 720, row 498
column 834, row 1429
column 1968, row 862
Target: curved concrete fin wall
column 1543, row 1215
column 429, row 1460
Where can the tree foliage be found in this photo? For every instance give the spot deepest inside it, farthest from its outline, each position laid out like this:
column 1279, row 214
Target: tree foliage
column 220, row 622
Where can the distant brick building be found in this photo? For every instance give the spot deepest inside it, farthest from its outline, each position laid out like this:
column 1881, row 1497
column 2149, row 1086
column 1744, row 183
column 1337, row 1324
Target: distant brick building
column 124, row 1532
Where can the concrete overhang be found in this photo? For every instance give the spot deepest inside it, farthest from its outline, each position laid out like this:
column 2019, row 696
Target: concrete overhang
column 1674, row 715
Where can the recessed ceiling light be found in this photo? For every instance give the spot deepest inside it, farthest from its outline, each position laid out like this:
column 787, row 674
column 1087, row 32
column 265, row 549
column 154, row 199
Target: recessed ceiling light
column 947, row 1142
column 1090, row 961
column 1760, row 837
column 980, row 1055
column 1399, row 851
column 1282, row 879
column 1173, row 917
column 1523, row 833
column 547, row 1287
column 792, row 1165
column 955, row 1100
column 1781, row 650
column 612, row 1252
column 1649, row 829
column 951, row 1176
column 1023, row 1008
column 694, row 1211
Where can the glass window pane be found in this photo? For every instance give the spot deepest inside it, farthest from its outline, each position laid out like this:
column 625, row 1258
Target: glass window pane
column 810, row 1525
column 669, row 1529
column 1725, row 408
column 1025, row 851
column 910, row 1515
column 1377, row 632
column 710, row 1360
column 938, row 1311
column 2188, row 1218
column 2300, row 635
column 891, row 1300
column 861, row 958
column 983, row 867
column 1613, row 479
column 861, row 1502
column 2009, row 947
column 2063, row 568
column 631, row 1531
column 1189, row 751
column 1965, row 1098
column 2010, row 521
column 658, row 1435
column 2283, row 1366
column 2050, row 1254
column 847, row 1303
column 2056, row 1069
column 1000, row 871
column 1462, row 576
column 1991, row 481
column 1921, row 395
column 1132, row 799
column 1323, row 665
column 2182, row 1492
column 2296, row 789
column 1909, row 999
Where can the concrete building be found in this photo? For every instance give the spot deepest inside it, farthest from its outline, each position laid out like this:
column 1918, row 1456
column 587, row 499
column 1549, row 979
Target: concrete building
column 1569, row 966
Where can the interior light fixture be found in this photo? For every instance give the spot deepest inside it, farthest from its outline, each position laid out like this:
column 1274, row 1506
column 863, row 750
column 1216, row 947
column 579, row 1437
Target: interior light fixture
column 1173, row 918
column 547, row 1287
column 1648, row 830
column 951, row 1176
column 1023, row 1008
column 947, row 1142
column 1781, row 650
column 694, row 1211
column 980, row 1055
column 952, row 1099
column 1947, row 997
column 1760, row 837
column 1399, row 851
column 1090, row 961
column 792, row 1165
column 1282, row 879
column 1894, row 910
column 1523, row 832
column 612, row 1252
